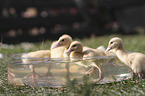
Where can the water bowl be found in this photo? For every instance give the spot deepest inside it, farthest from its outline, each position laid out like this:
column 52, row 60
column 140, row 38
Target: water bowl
column 55, row 72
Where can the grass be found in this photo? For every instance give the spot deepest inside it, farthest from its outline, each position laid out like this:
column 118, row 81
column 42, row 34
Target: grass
column 125, row 87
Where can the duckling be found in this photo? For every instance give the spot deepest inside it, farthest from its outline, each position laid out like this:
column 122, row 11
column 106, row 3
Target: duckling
column 59, row 47
column 56, row 52
column 35, row 54
column 63, row 43
column 136, row 61
column 99, row 51
column 76, row 50
column 26, row 59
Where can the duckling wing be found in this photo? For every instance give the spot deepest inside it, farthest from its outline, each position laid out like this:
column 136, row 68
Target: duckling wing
column 86, row 48
column 93, row 53
column 136, row 61
column 89, row 53
column 40, row 54
column 57, row 52
column 35, row 54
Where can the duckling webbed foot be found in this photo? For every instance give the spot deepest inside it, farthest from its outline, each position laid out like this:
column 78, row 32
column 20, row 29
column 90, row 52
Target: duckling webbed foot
column 33, row 75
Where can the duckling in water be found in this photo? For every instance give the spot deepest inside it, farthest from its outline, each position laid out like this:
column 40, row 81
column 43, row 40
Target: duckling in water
column 76, row 50
column 63, row 42
column 136, row 61
column 55, row 51
column 59, row 48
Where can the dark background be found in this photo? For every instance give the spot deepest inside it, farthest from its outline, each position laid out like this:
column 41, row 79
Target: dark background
column 37, row 20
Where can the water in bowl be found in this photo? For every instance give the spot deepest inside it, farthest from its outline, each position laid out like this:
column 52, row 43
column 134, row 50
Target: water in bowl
column 54, row 72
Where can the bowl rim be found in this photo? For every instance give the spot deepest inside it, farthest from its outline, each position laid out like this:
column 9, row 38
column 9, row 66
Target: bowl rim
column 14, row 56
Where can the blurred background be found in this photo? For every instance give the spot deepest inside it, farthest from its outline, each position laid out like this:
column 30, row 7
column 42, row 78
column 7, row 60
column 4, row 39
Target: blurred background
column 38, row 20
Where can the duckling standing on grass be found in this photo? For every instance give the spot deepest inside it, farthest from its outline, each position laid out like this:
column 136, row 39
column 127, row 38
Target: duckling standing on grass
column 76, row 50
column 136, row 61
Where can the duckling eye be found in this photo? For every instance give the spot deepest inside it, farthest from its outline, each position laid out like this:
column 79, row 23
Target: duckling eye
column 62, row 40
column 111, row 42
column 74, row 45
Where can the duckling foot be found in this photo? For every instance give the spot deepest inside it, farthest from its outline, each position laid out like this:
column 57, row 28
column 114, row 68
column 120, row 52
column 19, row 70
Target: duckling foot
column 137, row 76
column 90, row 71
column 94, row 71
column 140, row 75
column 33, row 75
column 67, row 69
column 48, row 74
column 101, row 76
column 97, row 80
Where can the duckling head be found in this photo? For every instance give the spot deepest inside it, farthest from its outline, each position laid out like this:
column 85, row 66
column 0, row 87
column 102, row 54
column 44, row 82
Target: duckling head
column 114, row 44
column 65, row 40
column 75, row 46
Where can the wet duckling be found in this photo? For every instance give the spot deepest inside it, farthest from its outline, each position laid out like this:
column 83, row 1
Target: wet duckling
column 136, row 61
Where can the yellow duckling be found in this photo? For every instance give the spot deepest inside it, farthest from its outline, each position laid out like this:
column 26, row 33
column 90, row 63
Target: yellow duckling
column 56, row 52
column 26, row 58
column 59, row 47
column 76, row 50
column 136, row 61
